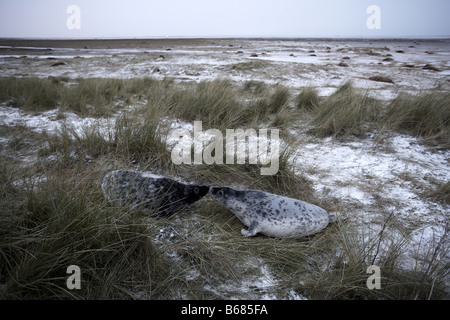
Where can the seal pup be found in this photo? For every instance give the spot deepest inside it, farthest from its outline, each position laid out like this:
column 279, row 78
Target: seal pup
column 159, row 195
column 272, row 215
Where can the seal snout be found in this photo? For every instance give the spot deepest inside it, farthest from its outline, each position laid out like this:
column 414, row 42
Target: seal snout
column 214, row 190
column 201, row 191
column 221, row 193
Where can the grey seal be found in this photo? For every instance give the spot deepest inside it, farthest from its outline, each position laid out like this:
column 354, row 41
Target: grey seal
column 271, row 214
column 161, row 196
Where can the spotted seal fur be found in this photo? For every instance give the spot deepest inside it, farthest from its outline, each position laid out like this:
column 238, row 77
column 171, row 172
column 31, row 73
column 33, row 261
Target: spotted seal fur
column 158, row 195
column 272, row 215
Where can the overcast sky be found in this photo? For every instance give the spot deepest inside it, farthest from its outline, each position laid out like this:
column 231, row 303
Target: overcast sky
column 218, row 18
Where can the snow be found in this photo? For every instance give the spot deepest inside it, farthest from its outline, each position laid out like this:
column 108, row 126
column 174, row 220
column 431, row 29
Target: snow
column 53, row 121
column 10, row 116
column 262, row 285
column 347, row 162
column 362, row 172
column 355, row 171
column 147, row 174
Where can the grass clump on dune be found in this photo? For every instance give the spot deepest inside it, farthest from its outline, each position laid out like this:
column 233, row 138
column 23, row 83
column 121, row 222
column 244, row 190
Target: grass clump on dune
column 346, row 112
column 63, row 222
column 278, row 100
column 100, row 96
column 31, row 94
column 425, row 115
column 87, row 97
column 213, row 102
column 248, row 66
column 135, row 137
column 347, row 275
column 308, row 99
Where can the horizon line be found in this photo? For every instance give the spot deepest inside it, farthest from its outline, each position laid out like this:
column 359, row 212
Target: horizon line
column 235, row 37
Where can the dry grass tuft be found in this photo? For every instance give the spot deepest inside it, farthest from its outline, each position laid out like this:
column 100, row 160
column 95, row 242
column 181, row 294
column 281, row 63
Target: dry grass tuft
column 346, row 112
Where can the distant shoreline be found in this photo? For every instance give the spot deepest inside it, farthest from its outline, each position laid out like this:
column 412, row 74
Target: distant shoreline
column 168, row 41
column 227, row 38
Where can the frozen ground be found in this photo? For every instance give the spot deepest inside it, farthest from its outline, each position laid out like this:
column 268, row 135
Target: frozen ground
column 371, row 178
column 361, row 173
column 295, row 63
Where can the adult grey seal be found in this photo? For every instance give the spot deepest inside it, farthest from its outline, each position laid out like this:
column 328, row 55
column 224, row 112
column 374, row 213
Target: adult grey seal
column 272, row 215
column 158, row 195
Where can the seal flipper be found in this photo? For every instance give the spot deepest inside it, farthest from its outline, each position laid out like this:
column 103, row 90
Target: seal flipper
column 251, row 231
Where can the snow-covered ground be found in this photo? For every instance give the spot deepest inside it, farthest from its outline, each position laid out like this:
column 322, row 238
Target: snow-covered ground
column 357, row 172
column 293, row 63
column 362, row 172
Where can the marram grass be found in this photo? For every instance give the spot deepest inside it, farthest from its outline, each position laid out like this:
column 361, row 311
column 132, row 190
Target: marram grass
column 62, row 219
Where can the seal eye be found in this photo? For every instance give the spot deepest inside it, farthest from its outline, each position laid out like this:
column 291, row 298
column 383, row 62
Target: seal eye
column 220, row 193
